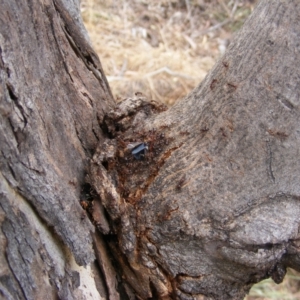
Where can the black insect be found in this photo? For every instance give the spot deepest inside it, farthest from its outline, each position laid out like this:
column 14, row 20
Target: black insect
column 138, row 150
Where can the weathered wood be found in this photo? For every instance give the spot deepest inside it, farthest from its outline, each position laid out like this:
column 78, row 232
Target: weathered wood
column 53, row 95
column 212, row 208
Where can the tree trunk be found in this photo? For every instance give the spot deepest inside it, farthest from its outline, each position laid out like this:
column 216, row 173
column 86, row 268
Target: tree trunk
column 207, row 205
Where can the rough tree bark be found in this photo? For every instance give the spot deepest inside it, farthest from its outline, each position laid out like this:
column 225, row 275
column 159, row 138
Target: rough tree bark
column 212, row 207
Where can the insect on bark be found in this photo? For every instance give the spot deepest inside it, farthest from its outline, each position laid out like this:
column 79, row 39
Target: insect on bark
column 138, row 149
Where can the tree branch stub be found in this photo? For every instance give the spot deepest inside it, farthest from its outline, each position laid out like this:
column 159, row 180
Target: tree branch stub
column 222, row 205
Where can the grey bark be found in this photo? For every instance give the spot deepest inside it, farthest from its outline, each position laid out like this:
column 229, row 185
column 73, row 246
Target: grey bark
column 212, row 207
column 53, row 94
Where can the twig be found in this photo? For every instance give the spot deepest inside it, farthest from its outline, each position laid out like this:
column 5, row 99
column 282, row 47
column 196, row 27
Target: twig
column 123, row 69
column 153, row 90
column 219, row 25
column 234, row 8
column 151, row 74
column 188, row 8
column 164, row 39
column 190, row 41
column 168, row 71
column 215, row 27
column 225, row 7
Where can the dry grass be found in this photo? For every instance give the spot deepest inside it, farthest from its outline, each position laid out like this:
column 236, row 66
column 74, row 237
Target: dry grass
column 160, row 48
column 268, row 290
column 164, row 48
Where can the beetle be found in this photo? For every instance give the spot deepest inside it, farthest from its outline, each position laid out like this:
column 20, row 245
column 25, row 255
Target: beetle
column 138, row 149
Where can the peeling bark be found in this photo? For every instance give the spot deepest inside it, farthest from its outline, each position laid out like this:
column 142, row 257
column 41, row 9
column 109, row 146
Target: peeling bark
column 209, row 209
